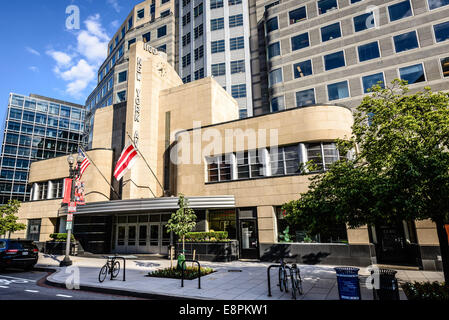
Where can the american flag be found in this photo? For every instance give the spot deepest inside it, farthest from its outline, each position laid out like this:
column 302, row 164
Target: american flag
column 84, row 165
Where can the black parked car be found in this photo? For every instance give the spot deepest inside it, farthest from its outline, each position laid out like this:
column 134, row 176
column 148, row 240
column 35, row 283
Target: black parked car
column 18, row 254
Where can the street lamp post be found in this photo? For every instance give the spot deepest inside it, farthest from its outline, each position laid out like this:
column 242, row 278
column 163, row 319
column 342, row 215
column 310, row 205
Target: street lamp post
column 74, row 172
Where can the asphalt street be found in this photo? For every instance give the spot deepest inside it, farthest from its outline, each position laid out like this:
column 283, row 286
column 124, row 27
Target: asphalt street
column 18, row 285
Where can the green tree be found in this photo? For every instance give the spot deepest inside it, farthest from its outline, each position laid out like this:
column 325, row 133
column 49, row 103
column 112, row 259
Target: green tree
column 400, row 171
column 182, row 221
column 8, row 218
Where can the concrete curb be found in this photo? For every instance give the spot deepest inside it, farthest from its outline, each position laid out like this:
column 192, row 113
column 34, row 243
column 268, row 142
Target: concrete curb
column 113, row 291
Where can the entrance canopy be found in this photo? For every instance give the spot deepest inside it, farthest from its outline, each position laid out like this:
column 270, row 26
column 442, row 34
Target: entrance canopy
column 155, row 204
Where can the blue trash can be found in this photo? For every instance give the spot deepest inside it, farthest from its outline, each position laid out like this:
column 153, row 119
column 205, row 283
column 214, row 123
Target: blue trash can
column 348, row 283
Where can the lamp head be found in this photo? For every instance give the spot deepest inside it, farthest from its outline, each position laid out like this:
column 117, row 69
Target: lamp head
column 71, row 160
column 80, row 159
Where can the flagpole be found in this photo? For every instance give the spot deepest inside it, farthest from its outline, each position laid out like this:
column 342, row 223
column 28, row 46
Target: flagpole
column 140, row 153
column 110, row 185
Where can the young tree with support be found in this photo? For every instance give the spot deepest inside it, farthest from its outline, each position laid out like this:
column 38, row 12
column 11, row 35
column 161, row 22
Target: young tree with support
column 400, row 171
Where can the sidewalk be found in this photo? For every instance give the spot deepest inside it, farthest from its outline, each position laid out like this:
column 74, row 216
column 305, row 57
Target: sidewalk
column 231, row 281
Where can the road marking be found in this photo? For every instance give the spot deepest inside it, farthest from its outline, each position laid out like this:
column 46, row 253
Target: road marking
column 2, row 276
column 63, row 296
column 32, row 291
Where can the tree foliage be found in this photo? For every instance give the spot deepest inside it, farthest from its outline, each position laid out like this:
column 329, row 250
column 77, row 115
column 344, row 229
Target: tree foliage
column 400, row 170
column 183, row 220
column 8, row 218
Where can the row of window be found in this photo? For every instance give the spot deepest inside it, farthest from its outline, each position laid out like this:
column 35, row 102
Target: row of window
column 396, row 12
column 11, row 175
column 39, row 118
column 47, row 107
column 234, row 44
column 215, row 4
column 340, row 90
column 234, row 21
column 42, row 131
column 14, row 188
column 48, row 190
column 219, row 69
column 272, row 162
column 402, row 42
column 37, row 142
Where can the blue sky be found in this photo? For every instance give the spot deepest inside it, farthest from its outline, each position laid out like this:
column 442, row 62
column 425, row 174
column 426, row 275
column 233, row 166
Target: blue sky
column 40, row 55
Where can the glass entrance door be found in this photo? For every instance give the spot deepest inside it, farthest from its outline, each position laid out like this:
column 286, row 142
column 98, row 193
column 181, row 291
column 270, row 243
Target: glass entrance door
column 155, row 243
column 249, row 239
column 131, row 243
column 143, row 245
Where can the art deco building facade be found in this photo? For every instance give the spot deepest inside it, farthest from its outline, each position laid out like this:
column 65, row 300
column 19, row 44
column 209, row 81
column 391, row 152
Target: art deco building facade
column 36, row 128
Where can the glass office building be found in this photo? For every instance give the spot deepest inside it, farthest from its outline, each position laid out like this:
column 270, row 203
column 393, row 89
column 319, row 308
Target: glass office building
column 35, row 128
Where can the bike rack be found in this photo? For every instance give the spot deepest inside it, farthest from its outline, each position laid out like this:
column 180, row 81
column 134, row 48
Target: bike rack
column 269, row 277
column 113, row 258
column 199, row 272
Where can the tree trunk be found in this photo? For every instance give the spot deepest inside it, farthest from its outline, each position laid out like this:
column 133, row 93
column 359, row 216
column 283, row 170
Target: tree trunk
column 444, row 248
column 183, row 244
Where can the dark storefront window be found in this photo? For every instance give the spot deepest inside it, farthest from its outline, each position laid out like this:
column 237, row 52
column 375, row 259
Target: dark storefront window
column 223, row 220
column 34, row 229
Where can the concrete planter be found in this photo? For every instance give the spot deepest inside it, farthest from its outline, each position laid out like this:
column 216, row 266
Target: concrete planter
column 211, row 251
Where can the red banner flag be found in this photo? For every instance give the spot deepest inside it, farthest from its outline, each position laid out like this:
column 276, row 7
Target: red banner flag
column 67, row 190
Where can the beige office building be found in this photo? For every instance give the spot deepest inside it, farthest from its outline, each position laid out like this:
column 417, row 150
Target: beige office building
column 236, row 173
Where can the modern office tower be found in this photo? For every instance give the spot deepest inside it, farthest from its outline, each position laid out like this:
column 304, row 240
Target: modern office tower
column 214, row 41
column 333, row 51
column 152, row 21
column 36, row 128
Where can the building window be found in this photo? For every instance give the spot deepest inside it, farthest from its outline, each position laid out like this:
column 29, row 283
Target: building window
column 355, row 1
column 219, row 168
column 198, row 31
column 123, row 32
column 302, row 69
column 300, row 41
column 122, row 77
column 162, row 31
column 198, row 10
column 121, row 96
column 185, row 2
column 217, row 46
column 235, row 21
column 277, row 104
column 405, row 41
column 400, row 10
column 140, row 14
column 372, row 80
column 334, row 60
column 238, row 91
column 237, row 66
column 234, row 2
column 165, row 13
column 199, row 52
column 285, row 160
column 162, row 48
column 146, row 37
column 272, row 24
column 199, row 74
column 130, row 42
column 364, row 21
column 445, row 66
column 130, row 23
column 186, row 60
column 214, row 4
column 275, row 76
column 274, row 50
column 187, row 79
column 316, row 152
column 237, row 43
column 368, row 51
column 433, row 4
column 330, row 32
column 305, row 98
column 217, row 24
column 186, row 19
column 250, row 164
column 223, row 220
column 441, row 31
column 297, row 15
column 120, row 52
column 326, row 6
column 339, row 90
column 186, row 39
column 413, row 74
column 218, row 69
column 116, row 41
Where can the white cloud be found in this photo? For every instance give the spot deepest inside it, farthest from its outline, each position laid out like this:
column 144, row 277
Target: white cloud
column 78, row 65
column 34, row 68
column 115, row 5
column 32, row 51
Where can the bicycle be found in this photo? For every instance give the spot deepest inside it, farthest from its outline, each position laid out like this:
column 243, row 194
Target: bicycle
column 295, row 274
column 111, row 267
column 283, row 277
